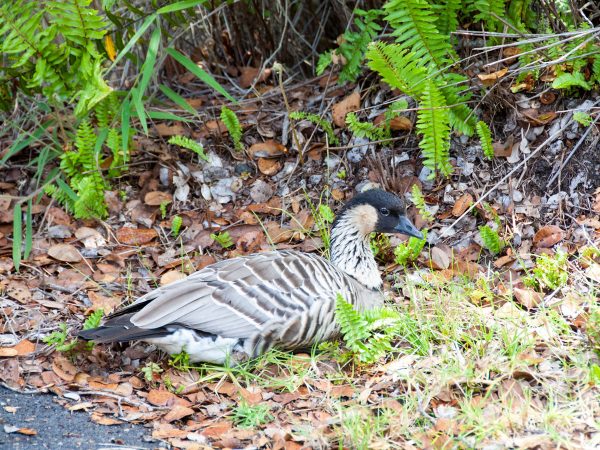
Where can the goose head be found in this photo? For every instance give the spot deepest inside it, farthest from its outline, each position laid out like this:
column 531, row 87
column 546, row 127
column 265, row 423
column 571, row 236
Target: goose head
column 373, row 211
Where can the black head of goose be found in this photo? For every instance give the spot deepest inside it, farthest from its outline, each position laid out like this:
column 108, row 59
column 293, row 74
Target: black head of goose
column 240, row 307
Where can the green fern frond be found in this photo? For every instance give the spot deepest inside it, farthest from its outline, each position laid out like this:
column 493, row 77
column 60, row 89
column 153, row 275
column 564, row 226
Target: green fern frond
column 447, row 12
column 318, row 121
column 491, row 239
column 487, row 11
column 367, row 129
column 91, row 203
column 354, row 327
column 78, row 23
column 325, row 60
column 176, row 225
column 433, row 123
column 354, row 43
column 485, row 137
column 410, row 250
column 190, row 144
column 414, row 28
column 397, row 67
column 419, row 201
column 569, row 80
column 232, row 123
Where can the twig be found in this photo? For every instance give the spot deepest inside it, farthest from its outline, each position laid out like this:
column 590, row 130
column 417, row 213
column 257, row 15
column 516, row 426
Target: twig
column 504, row 178
column 573, row 150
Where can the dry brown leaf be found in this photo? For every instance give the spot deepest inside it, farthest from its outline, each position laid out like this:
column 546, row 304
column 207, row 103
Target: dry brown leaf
column 267, row 149
column 278, row 234
column 18, row 291
column 178, row 412
column 269, row 167
column 488, row 79
column 462, row 204
column 65, row 253
column 527, row 297
column 252, row 75
column 62, row 367
column 104, row 420
column 7, row 352
column 136, row 236
column 164, row 430
column 171, row 276
column 159, row 397
column 89, row 237
column 165, row 130
column 25, row 347
column 217, row 429
column 440, row 258
column 106, row 304
column 547, row 97
column 339, row 111
column 547, row 236
column 157, row 198
column 401, row 123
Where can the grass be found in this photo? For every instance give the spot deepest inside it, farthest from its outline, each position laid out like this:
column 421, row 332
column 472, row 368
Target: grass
column 460, row 376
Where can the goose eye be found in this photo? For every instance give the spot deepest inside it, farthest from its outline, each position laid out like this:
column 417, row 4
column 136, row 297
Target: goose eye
column 384, row 211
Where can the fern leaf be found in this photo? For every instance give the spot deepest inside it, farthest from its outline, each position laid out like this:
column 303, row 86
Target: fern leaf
column 433, row 123
column 568, row 80
column 491, row 239
column 414, row 27
column 190, row 144
column 446, row 12
column 366, row 129
column 485, row 137
column 353, row 326
column 232, row 123
column 487, row 11
column 318, row 121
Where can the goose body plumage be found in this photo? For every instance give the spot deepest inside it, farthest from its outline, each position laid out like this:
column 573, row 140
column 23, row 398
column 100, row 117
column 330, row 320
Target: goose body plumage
column 239, row 308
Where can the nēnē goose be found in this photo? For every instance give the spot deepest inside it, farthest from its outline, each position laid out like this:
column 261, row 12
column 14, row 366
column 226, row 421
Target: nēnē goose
column 239, row 308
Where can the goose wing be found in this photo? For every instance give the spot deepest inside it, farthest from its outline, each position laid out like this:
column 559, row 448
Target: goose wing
column 236, row 297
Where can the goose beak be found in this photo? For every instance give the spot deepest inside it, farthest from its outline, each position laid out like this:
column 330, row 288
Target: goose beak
column 405, row 226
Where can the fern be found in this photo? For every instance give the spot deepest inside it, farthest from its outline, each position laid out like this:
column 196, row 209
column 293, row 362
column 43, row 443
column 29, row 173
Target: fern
column 569, row 80
column 582, row 118
column 414, row 28
column 485, row 137
column 223, row 239
column 190, row 144
column 487, row 10
column 491, row 239
column 367, row 129
column 354, row 43
column 419, row 202
column 446, row 12
column 176, row 225
column 433, row 123
column 232, row 123
column 550, row 272
column 410, row 250
column 325, row 60
column 318, row 121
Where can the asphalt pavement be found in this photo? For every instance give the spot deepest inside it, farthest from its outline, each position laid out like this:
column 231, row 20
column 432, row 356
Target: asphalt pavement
column 58, row 428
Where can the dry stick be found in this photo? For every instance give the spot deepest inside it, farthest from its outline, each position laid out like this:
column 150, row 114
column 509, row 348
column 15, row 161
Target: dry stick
column 507, row 176
column 572, row 152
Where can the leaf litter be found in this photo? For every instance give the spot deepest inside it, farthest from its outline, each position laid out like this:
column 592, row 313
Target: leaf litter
column 488, row 359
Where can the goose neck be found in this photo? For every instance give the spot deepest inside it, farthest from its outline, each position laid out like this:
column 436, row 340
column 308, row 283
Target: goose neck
column 351, row 252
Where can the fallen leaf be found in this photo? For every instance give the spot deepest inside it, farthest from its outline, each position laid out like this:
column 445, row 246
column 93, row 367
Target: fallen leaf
column 62, row 367
column 106, row 304
column 165, row 130
column 157, row 198
column 26, row 431
column 547, row 236
column 18, row 291
column 267, row 149
column 65, row 253
column 252, row 75
column 25, row 347
column 547, row 97
column 159, row 397
column 269, row 167
column 90, row 238
column 178, row 412
column 81, row 405
column 440, row 259
column 462, row 204
column 136, row 236
column 339, row 111
column 171, row 276
column 7, row 352
column 527, row 297
column 104, row 420
column 488, row 79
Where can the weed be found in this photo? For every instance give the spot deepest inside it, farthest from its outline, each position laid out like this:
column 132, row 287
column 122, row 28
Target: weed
column 223, row 239
column 251, row 416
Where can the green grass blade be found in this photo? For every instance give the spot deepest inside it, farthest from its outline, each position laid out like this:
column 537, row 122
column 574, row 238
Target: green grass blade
column 28, row 231
column 24, row 140
column 179, row 6
column 161, row 115
column 177, row 99
column 133, row 40
column 201, row 74
column 17, row 236
column 125, row 117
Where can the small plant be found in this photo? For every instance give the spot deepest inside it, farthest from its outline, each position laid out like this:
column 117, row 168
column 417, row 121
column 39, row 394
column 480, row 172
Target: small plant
column 485, row 137
column 94, row 319
column 367, row 129
column 190, row 144
column 582, row 118
column 318, row 121
column 151, row 371
column 410, row 250
column 59, row 339
column 251, row 416
column 163, row 209
column 176, row 225
column 223, row 239
column 341, row 174
column 368, row 335
column 180, row 361
column 380, row 244
column 491, row 239
column 419, row 201
column 550, row 272
column 232, row 124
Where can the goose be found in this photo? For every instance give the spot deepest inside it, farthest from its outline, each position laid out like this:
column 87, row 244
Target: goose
column 238, row 308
